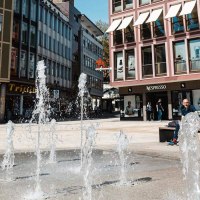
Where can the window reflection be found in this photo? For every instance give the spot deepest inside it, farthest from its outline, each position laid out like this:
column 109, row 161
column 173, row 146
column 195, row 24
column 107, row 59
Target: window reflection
column 160, row 59
column 128, row 4
column 117, row 36
column 129, row 33
column 177, row 24
column 147, row 61
column 23, row 63
column 146, row 31
column 14, row 59
column 192, row 20
column 158, row 26
column 116, row 5
column 179, row 57
column 194, row 54
column 143, row 2
column 24, row 33
column 31, row 65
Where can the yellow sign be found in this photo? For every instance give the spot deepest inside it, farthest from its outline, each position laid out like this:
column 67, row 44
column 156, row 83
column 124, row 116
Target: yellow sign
column 12, row 87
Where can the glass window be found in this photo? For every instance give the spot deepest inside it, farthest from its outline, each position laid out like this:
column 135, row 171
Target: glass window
column 24, row 33
column 1, row 23
column 117, row 37
column 143, row 2
column 41, row 14
column 14, row 60
column 58, row 70
column 118, row 65
column 128, row 4
column 179, row 57
column 116, row 5
column 54, row 69
column 130, row 64
column 15, row 35
column 23, row 63
column 55, row 23
column 177, row 24
column 129, row 33
column 147, row 61
column 45, row 41
column 25, row 8
column 192, row 20
column 194, row 54
column 17, row 6
column 50, row 47
column 158, row 27
column 40, row 38
column 31, row 65
column 160, row 59
column 33, row 10
column 146, row 31
column 33, row 36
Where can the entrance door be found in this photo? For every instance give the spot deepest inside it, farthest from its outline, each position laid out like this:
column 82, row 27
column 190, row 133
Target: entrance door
column 153, row 98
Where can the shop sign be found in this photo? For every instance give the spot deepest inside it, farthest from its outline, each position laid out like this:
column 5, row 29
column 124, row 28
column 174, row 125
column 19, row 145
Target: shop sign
column 156, row 87
column 12, row 87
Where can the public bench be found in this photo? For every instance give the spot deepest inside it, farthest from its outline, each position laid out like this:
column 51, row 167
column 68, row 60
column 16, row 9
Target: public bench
column 166, row 133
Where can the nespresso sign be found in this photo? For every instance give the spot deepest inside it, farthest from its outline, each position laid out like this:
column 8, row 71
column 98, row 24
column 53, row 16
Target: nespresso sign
column 12, row 87
column 156, row 87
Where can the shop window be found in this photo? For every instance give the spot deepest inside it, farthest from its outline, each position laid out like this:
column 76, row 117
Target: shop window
column 130, row 64
column 145, row 31
column 177, row 24
column 23, row 63
column 14, row 60
column 1, row 22
column 194, row 54
column 179, row 57
column 192, row 21
column 128, row 4
column 160, row 60
column 144, row 2
column 158, row 27
column 118, row 65
column 117, row 37
column 32, row 65
column 129, row 33
column 147, row 70
column 117, row 5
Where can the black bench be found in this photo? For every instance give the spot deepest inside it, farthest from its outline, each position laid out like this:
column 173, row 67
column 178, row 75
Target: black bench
column 166, row 133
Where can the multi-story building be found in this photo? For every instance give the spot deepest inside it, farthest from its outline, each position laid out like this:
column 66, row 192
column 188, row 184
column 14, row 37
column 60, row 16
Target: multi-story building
column 20, row 90
column 86, row 48
column 90, row 51
column 155, row 53
column 6, row 20
column 55, row 48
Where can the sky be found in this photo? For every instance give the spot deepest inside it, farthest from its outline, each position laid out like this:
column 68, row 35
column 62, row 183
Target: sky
column 94, row 9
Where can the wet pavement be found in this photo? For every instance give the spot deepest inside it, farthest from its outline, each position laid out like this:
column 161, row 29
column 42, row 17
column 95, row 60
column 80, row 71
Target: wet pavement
column 153, row 169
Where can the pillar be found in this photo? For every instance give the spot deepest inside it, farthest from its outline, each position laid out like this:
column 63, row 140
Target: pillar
column 144, row 107
column 2, row 101
column 169, row 105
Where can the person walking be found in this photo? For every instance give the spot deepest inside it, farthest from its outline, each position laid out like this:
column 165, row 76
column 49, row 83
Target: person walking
column 159, row 109
column 185, row 109
column 149, row 111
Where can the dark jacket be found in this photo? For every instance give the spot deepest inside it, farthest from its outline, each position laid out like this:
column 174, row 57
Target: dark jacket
column 185, row 111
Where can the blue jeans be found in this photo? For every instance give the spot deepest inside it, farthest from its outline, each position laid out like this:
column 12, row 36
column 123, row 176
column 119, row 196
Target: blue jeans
column 159, row 114
column 176, row 131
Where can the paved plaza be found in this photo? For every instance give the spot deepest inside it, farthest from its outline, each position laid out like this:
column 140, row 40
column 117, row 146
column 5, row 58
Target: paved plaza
column 153, row 169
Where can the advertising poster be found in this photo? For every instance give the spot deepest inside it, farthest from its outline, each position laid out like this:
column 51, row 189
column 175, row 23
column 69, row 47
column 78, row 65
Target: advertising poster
column 131, row 66
column 129, row 106
column 119, row 62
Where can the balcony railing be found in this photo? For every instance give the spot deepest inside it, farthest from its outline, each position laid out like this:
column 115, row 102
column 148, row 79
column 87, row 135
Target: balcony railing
column 195, row 65
column 160, row 68
column 180, row 66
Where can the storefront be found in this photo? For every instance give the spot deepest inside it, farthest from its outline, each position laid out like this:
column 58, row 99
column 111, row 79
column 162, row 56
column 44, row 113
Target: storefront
column 171, row 95
column 20, row 99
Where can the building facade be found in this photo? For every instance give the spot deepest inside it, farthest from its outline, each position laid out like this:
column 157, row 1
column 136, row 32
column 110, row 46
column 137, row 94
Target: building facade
column 55, row 48
column 6, row 20
column 155, row 54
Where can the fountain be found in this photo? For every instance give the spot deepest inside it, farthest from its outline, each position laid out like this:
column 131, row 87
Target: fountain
column 8, row 158
column 87, row 162
column 53, row 138
column 41, row 116
column 122, row 145
column 190, row 154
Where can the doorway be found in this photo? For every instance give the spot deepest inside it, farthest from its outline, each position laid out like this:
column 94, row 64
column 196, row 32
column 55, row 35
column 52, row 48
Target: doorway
column 153, row 98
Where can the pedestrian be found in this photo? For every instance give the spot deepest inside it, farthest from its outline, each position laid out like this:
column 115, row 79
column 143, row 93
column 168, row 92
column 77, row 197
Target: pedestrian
column 149, row 111
column 159, row 109
column 185, row 109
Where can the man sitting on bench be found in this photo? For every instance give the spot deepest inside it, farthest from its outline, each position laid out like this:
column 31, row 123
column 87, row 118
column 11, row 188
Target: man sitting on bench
column 185, row 109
